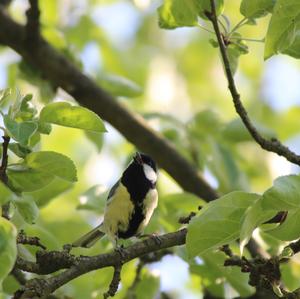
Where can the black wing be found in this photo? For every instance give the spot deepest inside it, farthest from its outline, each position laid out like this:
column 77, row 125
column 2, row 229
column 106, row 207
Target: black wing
column 113, row 190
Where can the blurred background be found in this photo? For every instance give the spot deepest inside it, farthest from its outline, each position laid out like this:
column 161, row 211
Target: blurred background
column 175, row 79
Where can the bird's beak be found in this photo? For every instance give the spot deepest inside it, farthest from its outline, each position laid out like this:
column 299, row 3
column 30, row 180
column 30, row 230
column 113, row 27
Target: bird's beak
column 137, row 158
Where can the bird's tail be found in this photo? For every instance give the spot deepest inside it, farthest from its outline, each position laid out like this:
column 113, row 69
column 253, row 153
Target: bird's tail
column 89, row 239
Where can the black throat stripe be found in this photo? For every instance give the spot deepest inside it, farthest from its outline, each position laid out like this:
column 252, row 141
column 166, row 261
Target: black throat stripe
column 137, row 186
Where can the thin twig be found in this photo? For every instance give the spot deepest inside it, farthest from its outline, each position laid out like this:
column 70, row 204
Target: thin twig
column 3, row 174
column 113, row 287
column 186, row 219
column 23, row 239
column 272, row 145
column 237, row 26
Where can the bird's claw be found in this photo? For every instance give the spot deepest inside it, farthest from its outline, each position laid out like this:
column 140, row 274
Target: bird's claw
column 121, row 251
column 156, row 239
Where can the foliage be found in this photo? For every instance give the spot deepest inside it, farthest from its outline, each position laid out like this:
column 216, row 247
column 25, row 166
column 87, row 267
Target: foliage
column 47, row 157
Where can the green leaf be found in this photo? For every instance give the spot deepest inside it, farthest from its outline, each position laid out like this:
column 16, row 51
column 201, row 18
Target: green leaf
column 254, row 216
column 44, row 195
column 256, row 8
column 19, row 150
column 4, row 94
column 95, row 138
column 223, row 165
column 218, row 223
column 53, row 163
column 289, row 230
column 233, row 56
column 22, row 179
column 26, row 111
column 284, row 195
column 5, row 194
column 119, row 86
column 294, row 49
column 235, row 131
column 44, row 128
column 205, row 5
column 20, row 131
column 205, row 122
column 8, row 248
column 63, row 114
column 177, row 13
column 93, row 199
column 213, row 269
column 175, row 205
column 148, row 286
column 290, row 274
column 27, row 208
column 283, row 28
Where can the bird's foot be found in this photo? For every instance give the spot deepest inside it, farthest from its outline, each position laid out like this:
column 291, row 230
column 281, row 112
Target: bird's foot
column 121, row 251
column 153, row 236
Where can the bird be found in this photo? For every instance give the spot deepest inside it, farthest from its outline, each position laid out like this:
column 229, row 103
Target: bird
column 130, row 204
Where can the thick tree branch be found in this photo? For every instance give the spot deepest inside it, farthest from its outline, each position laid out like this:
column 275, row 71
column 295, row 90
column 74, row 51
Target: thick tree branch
column 272, row 145
column 47, row 262
column 44, row 287
column 33, row 23
column 61, row 72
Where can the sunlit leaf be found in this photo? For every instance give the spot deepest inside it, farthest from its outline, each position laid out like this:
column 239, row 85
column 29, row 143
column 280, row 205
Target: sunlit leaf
column 53, row 163
column 148, row 286
column 284, row 195
column 27, row 208
column 236, row 131
column 283, row 28
column 5, row 194
column 64, row 114
column 20, row 131
column 119, row 86
column 18, row 149
column 95, row 138
column 218, row 223
column 4, row 94
column 177, row 13
column 289, row 230
column 28, row 179
column 176, row 205
column 254, row 216
column 205, row 6
column 8, row 248
column 44, row 195
column 256, row 8
column 213, row 269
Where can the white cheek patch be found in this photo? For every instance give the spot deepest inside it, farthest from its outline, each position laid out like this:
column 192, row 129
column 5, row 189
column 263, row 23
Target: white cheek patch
column 150, row 173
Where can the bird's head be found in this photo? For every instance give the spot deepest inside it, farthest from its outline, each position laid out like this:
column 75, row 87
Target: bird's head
column 148, row 165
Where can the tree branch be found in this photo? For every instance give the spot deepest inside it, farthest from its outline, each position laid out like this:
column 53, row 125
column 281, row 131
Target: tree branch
column 3, row 175
column 113, row 287
column 33, row 23
column 61, row 72
column 272, row 145
column 23, row 239
column 44, row 287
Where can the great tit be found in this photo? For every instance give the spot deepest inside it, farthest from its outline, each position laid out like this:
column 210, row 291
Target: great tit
column 130, row 203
